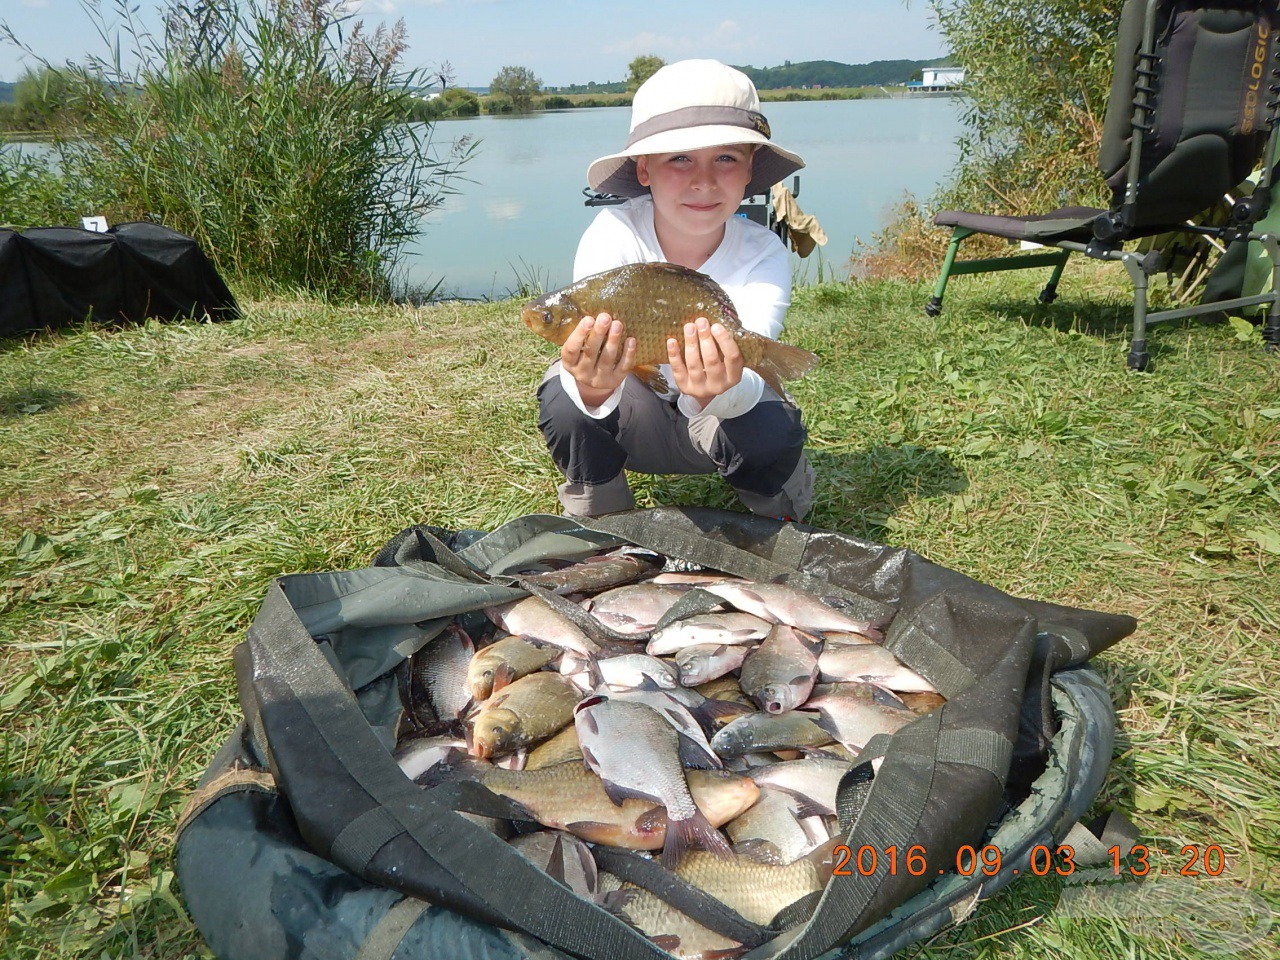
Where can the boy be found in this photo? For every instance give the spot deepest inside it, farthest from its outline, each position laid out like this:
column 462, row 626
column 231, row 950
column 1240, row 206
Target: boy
column 698, row 145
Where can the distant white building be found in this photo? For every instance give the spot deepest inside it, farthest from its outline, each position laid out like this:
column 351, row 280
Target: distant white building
column 941, row 78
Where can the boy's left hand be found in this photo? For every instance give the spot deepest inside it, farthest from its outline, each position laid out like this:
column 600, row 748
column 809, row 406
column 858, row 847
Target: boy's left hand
column 708, row 364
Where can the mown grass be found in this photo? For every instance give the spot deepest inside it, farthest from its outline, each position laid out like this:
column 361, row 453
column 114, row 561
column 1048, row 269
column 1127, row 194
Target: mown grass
column 154, row 479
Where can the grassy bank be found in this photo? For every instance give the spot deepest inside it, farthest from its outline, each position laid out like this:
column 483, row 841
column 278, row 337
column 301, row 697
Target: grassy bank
column 154, row 479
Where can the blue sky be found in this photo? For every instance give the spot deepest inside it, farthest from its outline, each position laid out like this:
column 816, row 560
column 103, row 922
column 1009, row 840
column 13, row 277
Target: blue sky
column 563, row 41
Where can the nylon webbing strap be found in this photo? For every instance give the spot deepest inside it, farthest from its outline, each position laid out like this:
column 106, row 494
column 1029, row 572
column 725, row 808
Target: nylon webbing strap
column 1091, row 844
column 479, row 800
column 385, row 937
column 482, row 864
column 855, row 787
column 668, row 540
column 1075, row 640
column 789, row 546
column 916, row 648
column 890, row 816
column 697, row 904
column 985, row 749
column 360, row 840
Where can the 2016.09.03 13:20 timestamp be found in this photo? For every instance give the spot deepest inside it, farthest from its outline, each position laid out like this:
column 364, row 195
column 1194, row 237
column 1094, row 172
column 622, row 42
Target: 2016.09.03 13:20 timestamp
column 866, row 861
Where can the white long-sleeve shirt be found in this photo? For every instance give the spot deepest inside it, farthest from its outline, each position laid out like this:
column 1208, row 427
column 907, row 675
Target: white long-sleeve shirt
column 751, row 264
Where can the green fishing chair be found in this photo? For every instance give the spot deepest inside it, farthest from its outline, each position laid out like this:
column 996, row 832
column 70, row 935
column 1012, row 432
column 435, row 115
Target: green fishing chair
column 1192, row 112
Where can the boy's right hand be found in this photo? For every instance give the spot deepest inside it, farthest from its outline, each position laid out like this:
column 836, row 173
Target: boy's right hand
column 598, row 358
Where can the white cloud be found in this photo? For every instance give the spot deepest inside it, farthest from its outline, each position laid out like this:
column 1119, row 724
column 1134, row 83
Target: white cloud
column 722, row 40
column 355, row 7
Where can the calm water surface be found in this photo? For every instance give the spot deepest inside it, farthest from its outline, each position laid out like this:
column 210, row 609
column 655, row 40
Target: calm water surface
column 521, row 217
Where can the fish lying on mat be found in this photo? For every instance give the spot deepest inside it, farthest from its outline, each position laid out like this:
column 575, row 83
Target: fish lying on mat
column 654, row 301
column 627, row 707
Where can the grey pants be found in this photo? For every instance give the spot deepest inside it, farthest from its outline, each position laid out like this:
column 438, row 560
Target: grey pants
column 760, row 454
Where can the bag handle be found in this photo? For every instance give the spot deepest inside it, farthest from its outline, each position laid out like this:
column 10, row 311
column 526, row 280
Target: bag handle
column 291, row 670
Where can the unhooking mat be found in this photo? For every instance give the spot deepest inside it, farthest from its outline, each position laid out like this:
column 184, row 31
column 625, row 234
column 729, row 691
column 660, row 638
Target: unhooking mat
column 306, row 840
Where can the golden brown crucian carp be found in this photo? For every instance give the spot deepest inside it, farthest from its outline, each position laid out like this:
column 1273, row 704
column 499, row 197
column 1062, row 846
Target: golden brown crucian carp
column 654, row 301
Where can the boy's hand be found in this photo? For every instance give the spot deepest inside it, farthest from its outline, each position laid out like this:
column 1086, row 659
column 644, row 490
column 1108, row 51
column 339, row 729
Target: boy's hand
column 598, row 358
column 709, row 363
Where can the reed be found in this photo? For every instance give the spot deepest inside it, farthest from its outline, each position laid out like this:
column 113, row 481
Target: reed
column 269, row 130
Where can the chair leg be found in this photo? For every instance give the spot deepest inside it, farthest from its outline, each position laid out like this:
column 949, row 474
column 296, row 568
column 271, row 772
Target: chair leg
column 1138, row 357
column 1050, row 291
column 934, row 307
column 1271, row 326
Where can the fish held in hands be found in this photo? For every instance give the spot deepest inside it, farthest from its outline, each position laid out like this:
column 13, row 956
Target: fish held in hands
column 654, row 301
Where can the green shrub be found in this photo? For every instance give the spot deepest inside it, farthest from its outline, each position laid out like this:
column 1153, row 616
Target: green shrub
column 457, row 102
column 269, row 130
column 1036, row 81
column 32, row 193
column 556, row 103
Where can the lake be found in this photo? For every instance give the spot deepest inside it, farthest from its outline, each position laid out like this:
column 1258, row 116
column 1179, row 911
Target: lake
column 520, row 218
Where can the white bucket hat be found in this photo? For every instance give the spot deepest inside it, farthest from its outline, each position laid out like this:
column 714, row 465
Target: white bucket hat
column 690, row 105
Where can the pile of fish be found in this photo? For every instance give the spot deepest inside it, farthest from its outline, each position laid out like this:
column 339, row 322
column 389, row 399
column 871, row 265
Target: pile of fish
column 701, row 715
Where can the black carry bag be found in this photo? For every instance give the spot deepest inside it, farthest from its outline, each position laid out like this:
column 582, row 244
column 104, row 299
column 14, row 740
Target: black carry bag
column 54, row 276
column 305, row 839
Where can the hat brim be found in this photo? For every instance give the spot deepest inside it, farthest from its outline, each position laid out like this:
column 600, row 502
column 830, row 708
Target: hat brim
column 616, row 173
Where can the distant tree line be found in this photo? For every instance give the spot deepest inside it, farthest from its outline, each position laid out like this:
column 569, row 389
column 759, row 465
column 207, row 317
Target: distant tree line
column 37, row 102
column 824, row 73
column 830, row 73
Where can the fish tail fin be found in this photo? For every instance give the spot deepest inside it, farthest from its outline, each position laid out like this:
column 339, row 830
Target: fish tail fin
column 824, row 857
column 783, row 361
column 713, row 714
column 695, row 831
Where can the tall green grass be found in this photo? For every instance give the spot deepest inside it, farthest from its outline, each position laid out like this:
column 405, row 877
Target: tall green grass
column 269, row 130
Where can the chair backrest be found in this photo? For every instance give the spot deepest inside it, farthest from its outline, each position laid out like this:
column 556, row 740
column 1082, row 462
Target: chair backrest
column 1193, row 78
